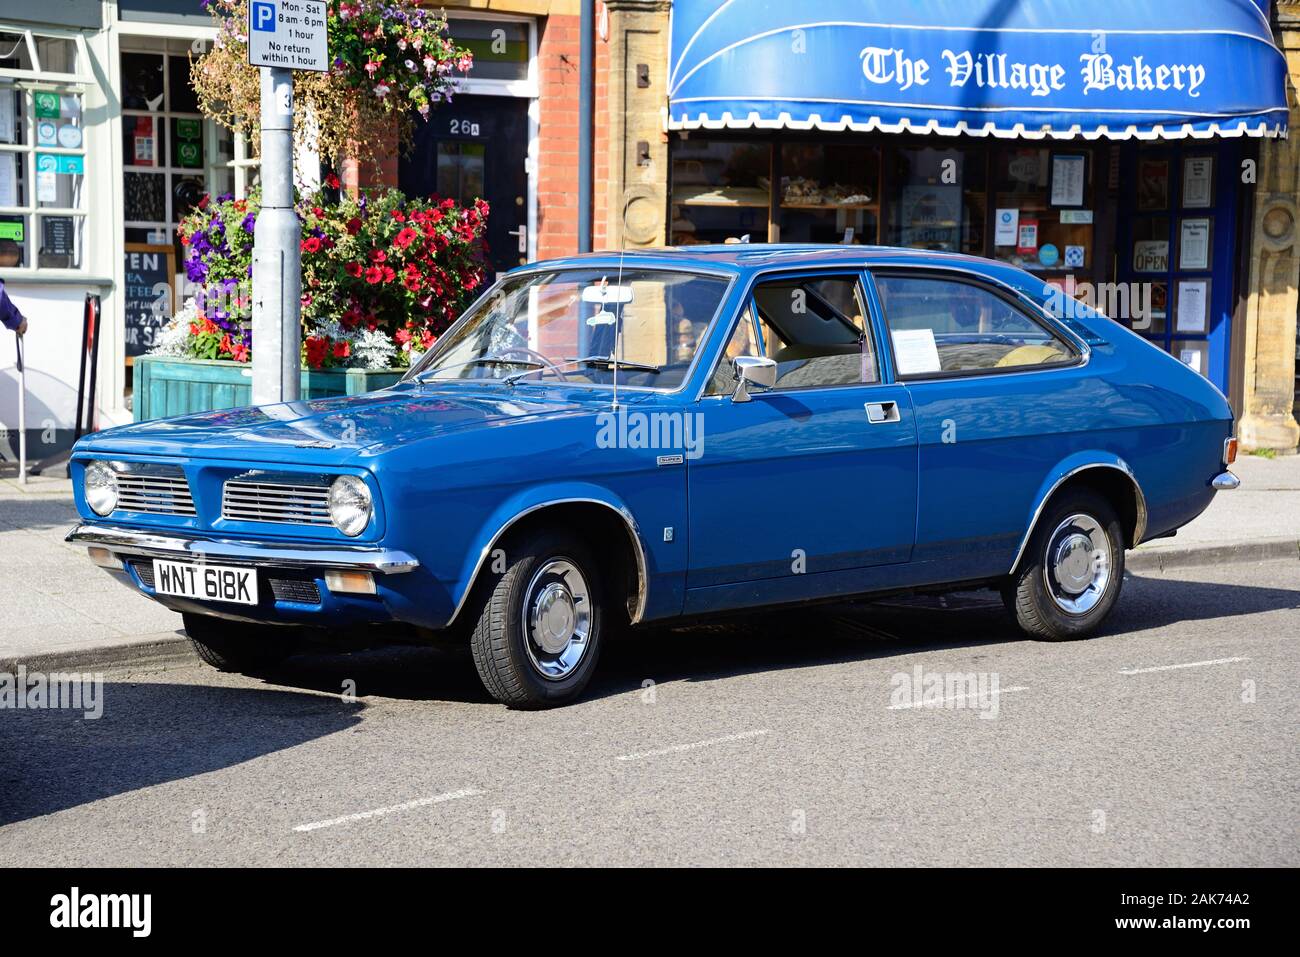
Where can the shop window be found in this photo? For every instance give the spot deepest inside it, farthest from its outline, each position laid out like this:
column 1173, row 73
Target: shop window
column 721, row 191
column 830, row 193
column 171, row 155
column 938, row 199
column 1042, row 209
column 42, row 151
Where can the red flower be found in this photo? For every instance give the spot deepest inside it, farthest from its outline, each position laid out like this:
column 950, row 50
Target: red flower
column 185, row 240
column 317, row 212
column 332, row 181
column 402, row 336
column 342, row 350
column 354, row 226
column 316, row 349
column 353, row 269
column 412, row 278
column 203, row 203
column 240, row 352
column 389, row 275
column 374, row 274
column 397, row 215
column 405, row 237
column 311, row 245
column 225, row 343
column 378, row 255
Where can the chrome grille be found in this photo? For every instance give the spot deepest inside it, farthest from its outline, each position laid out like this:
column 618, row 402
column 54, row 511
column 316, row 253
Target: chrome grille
column 244, row 500
column 160, row 490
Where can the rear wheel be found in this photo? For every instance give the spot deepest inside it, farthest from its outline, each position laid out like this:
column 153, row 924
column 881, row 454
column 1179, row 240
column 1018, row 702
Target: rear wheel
column 238, row 646
column 1072, row 571
column 538, row 627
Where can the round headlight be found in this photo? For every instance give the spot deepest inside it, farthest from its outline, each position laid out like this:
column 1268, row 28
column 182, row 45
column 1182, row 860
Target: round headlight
column 101, row 488
column 349, row 503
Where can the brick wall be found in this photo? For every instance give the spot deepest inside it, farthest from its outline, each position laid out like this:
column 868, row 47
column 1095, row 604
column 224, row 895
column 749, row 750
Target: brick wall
column 557, row 174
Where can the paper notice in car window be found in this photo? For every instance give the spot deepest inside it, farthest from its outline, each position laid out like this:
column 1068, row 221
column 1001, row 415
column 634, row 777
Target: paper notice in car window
column 915, row 351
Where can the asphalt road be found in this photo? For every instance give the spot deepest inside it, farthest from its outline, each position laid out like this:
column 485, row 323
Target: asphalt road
column 779, row 740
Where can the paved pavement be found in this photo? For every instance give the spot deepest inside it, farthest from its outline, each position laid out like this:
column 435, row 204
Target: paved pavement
column 56, row 609
column 1169, row 740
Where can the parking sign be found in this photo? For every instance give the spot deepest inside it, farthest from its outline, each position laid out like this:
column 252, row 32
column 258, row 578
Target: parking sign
column 290, row 34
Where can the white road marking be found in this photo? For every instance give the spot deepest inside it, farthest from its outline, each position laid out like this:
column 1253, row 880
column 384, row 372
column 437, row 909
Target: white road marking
column 677, row 748
column 1190, row 664
column 381, row 811
column 956, row 697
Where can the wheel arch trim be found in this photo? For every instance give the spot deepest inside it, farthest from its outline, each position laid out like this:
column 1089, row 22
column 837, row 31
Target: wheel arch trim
column 629, row 522
column 1114, row 464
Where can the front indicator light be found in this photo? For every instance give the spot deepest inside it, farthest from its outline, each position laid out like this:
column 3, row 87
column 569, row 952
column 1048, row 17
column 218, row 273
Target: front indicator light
column 349, row 505
column 350, row 582
column 1229, row 451
column 105, row 559
column 100, row 483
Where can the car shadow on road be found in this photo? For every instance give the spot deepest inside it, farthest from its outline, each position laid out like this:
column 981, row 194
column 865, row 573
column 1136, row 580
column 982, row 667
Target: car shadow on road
column 777, row 640
column 48, row 515
column 149, row 734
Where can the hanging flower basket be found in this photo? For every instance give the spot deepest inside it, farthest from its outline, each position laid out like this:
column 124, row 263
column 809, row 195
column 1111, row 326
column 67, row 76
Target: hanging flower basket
column 392, row 62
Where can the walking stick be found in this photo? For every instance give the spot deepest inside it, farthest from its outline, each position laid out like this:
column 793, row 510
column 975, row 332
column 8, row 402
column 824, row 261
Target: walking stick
column 22, row 413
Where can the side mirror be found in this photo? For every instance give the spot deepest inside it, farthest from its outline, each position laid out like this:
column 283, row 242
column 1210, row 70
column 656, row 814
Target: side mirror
column 752, row 370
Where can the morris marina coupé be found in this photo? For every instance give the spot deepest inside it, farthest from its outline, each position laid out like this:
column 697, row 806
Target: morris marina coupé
column 611, row 441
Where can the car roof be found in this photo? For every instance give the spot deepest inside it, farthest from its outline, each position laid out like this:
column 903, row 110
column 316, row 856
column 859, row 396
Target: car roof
column 745, row 257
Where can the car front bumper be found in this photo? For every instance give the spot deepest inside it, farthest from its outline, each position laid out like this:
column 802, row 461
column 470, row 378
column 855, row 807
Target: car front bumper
column 134, row 542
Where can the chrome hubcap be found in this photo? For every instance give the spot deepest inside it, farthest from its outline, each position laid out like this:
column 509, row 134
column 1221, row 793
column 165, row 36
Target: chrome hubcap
column 1078, row 564
column 557, row 618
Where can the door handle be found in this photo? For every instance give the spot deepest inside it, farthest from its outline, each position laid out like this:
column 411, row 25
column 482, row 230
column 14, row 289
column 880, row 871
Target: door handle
column 522, row 233
column 880, row 412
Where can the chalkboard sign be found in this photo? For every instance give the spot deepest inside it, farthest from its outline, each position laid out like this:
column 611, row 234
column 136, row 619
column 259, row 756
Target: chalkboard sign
column 149, row 299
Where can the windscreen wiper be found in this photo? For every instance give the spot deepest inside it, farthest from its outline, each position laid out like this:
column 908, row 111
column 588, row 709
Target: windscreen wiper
column 608, row 361
column 486, row 360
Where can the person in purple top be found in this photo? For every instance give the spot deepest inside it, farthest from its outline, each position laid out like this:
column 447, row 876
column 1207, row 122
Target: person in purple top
column 9, row 314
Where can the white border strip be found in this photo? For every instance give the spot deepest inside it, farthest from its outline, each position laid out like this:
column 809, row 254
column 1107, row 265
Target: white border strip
column 1159, row 131
column 1190, row 664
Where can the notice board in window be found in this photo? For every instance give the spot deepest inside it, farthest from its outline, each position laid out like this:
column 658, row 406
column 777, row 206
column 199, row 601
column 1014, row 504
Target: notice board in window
column 149, row 298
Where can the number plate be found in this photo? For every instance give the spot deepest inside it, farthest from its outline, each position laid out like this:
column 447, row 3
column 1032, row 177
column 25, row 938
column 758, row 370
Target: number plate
column 206, row 582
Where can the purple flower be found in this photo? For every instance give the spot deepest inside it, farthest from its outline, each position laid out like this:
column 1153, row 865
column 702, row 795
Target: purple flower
column 249, row 221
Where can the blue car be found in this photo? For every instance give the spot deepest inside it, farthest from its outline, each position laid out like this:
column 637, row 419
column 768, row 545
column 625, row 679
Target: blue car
column 612, row 440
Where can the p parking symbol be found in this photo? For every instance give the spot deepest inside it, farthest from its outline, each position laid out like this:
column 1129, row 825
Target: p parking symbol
column 264, row 17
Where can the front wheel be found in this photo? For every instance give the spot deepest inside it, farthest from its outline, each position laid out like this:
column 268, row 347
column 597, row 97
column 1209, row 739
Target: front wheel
column 238, row 646
column 538, row 629
column 1072, row 572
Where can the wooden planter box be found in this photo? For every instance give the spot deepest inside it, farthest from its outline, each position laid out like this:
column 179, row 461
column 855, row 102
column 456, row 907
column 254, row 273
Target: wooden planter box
column 165, row 386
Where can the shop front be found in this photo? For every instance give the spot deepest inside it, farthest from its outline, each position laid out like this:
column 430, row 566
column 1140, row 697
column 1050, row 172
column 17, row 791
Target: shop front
column 1086, row 142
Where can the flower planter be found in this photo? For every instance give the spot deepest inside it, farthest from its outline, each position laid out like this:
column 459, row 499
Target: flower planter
column 166, row 386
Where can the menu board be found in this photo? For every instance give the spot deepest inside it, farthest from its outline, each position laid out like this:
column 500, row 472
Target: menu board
column 149, row 304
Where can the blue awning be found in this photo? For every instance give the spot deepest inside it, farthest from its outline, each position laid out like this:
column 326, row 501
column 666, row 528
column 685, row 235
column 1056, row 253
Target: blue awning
column 1150, row 69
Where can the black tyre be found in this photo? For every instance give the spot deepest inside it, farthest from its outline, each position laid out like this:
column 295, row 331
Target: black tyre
column 538, row 626
column 1072, row 571
column 238, row 646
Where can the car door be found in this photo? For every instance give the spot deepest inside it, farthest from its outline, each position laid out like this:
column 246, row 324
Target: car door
column 1000, row 397
column 806, row 484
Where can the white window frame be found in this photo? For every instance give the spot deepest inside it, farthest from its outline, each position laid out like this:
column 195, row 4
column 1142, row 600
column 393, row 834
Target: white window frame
column 28, row 82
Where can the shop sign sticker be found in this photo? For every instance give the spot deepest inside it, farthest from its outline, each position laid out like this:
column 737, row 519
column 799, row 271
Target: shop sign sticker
column 47, row 104
column 46, row 134
column 70, row 136
column 58, row 163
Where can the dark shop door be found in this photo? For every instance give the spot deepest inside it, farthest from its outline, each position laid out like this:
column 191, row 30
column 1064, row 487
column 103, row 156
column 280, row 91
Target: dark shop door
column 477, row 146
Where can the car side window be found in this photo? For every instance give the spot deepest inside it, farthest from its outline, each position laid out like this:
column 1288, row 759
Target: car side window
column 814, row 328
column 939, row 325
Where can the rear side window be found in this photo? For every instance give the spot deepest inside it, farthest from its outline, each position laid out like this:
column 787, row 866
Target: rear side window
column 939, row 325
